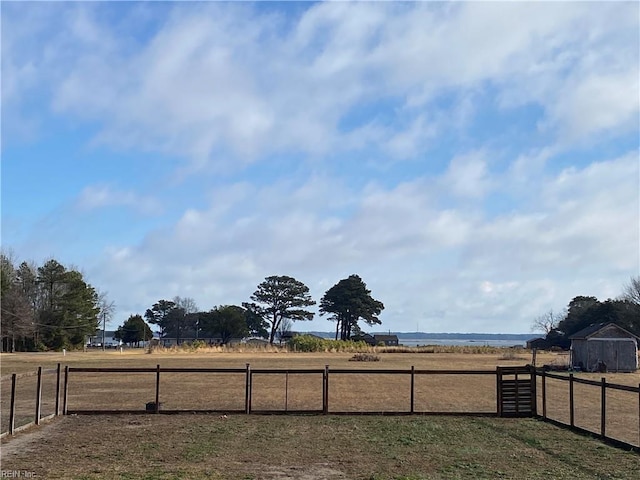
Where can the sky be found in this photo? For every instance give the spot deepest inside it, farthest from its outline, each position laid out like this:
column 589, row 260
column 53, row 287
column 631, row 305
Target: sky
column 477, row 164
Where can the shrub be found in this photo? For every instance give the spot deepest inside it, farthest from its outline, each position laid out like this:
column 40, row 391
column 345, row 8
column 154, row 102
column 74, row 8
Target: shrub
column 196, row 344
column 308, row 343
column 511, row 354
column 364, row 357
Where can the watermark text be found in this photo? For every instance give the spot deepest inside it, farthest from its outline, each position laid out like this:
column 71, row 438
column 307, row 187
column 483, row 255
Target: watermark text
column 17, row 474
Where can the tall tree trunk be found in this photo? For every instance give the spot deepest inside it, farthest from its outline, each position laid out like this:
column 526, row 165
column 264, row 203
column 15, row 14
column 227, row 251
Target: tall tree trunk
column 274, row 326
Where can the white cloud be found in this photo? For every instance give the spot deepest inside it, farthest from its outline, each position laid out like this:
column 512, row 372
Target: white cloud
column 103, row 196
column 215, row 78
column 487, row 273
column 220, row 86
column 599, row 103
column 467, row 176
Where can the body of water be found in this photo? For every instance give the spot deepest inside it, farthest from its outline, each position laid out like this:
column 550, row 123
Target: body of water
column 468, row 342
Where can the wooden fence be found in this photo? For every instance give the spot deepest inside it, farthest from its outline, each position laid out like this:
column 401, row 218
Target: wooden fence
column 21, row 413
column 612, row 412
column 328, row 378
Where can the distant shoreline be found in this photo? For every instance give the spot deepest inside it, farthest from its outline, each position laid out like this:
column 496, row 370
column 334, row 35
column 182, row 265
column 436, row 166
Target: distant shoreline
column 469, row 337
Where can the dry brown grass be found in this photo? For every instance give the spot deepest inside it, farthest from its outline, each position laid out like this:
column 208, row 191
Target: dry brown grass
column 622, row 408
column 28, row 362
column 240, row 447
column 347, row 392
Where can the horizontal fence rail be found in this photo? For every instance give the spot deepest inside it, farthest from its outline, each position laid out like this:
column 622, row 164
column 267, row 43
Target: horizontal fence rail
column 305, row 390
column 32, row 398
column 608, row 410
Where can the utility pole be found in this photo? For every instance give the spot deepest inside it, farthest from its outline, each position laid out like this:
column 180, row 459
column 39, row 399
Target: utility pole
column 104, row 326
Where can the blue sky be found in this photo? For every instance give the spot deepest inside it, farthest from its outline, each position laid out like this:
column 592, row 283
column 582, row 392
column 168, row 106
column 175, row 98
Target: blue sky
column 475, row 163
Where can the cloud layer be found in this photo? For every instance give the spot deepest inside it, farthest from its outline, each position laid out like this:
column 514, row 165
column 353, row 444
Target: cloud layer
column 475, row 163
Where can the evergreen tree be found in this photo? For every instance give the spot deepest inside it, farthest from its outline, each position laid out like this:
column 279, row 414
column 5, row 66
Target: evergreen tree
column 134, row 330
column 349, row 301
column 280, row 297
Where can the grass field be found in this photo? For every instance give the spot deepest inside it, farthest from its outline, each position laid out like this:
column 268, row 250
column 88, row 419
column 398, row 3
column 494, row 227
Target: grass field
column 226, row 391
column 194, row 447
column 24, row 362
column 207, row 446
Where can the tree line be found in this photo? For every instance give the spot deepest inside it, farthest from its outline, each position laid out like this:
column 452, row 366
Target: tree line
column 583, row 311
column 48, row 306
column 51, row 307
column 277, row 302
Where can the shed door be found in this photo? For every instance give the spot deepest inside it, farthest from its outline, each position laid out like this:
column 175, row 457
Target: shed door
column 614, row 353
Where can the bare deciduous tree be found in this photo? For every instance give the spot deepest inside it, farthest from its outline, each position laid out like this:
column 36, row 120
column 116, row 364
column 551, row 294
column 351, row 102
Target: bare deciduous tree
column 546, row 322
column 631, row 291
column 182, row 316
column 284, row 329
column 107, row 309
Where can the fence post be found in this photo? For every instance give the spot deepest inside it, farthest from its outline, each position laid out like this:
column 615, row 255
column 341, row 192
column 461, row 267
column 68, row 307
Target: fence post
column 324, row 392
column 325, row 399
column 413, row 386
column 286, row 391
column 38, row 395
column 66, row 390
column 247, row 390
column 12, row 408
column 534, row 391
column 603, row 405
column 544, row 394
column 58, row 390
column 571, row 404
column 517, row 393
column 498, row 391
column 157, row 409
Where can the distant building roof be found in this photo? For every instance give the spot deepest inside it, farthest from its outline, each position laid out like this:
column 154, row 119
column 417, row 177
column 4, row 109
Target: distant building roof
column 258, row 341
column 364, row 337
column 383, row 338
column 107, row 333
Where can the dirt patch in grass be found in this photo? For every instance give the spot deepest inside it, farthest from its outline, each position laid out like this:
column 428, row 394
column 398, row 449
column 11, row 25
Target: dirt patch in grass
column 162, row 447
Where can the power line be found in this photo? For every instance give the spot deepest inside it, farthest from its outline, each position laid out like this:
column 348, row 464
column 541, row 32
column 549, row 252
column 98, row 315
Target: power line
column 49, row 325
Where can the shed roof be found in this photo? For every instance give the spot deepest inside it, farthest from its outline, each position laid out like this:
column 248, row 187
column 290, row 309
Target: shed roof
column 594, row 328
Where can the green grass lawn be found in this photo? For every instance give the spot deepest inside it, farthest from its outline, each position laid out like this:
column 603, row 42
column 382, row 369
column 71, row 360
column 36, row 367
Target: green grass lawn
column 188, row 447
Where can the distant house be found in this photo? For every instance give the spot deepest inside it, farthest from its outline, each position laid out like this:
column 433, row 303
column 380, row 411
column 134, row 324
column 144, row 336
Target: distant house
column 387, row 340
column 539, row 343
column 374, row 340
column 257, row 341
column 364, row 337
column 211, row 341
column 109, row 339
column 604, row 347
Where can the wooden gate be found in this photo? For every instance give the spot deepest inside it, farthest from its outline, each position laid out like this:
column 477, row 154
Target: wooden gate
column 516, row 391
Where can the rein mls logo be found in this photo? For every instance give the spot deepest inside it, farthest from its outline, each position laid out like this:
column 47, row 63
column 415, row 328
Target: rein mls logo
column 17, row 474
